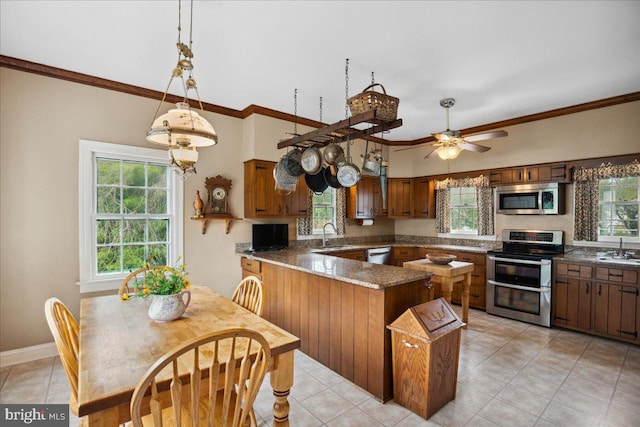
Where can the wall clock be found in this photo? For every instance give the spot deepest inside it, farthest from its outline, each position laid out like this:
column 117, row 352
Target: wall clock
column 218, row 189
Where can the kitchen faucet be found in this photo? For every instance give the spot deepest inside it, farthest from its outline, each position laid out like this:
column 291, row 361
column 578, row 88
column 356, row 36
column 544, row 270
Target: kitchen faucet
column 324, row 233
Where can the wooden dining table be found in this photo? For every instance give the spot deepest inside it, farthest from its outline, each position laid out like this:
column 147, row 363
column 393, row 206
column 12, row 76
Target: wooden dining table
column 118, row 343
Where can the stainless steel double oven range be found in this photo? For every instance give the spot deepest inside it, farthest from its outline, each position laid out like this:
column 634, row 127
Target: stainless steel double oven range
column 519, row 275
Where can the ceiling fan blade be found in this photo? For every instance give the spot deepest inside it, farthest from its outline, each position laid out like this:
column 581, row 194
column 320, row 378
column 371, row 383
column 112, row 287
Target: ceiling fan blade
column 431, row 155
column 414, row 146
column 473, row 147
column 483, row 136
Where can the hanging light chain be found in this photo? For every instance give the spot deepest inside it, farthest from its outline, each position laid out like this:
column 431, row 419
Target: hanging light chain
column 346, row 89
column 373, row 79
column 320, row 109
column 295, row 111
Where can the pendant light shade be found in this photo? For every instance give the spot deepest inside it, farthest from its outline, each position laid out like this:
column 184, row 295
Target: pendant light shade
column 182, row 123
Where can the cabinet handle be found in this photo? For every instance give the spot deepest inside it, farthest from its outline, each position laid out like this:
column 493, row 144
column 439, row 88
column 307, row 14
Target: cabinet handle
column 624, row 291
column 409, row 345
column 560, row 318
column 561, row 281
column 599, row 290
column 528, row 176
column 615, row 275
column 279, row 209
column 574, row 271
column 586, row 288
column 633, row 334
column 286, row 209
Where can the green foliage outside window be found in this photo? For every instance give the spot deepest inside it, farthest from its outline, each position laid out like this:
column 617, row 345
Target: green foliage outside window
column 463, row 210
column 132, row 222
column 619, row 199
column 324, row 210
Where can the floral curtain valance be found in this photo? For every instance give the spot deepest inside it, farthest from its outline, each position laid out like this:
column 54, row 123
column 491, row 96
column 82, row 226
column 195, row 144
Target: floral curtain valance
column 587, row 181
column 481, row 181
column 607, row 171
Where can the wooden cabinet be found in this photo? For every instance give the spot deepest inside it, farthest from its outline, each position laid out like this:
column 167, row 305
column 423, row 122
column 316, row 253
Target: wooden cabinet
column 358, row 254
column 341, row 325
column 556, row 172
column 598, row 300
column 424, row 200
column 402, row 254
column 572, row 300
column 400, row 197
column 262, row 200
column 251, row 267
column 365, row 199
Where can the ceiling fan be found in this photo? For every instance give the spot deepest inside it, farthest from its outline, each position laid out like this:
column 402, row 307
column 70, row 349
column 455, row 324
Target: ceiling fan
column 450, row 143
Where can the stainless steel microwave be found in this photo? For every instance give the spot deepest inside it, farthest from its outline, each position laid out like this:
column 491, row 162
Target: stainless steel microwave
column 530, row 199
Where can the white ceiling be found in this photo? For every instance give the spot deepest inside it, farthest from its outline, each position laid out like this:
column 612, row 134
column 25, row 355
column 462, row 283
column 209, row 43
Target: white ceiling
column 499, row 59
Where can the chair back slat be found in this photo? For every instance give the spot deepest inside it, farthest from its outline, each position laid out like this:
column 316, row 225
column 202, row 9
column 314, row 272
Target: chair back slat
column 235, row 360
column 66, row 333
column 248, row 294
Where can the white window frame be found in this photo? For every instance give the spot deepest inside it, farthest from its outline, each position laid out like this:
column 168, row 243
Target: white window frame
column 331, row 231
column 473, row 232
column 616, row 239
column 90, row 281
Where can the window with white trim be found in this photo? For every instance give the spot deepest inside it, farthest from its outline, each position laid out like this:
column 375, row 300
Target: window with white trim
column 130, row 208
column 618, row 205
column 463, row 210
column 324, row 211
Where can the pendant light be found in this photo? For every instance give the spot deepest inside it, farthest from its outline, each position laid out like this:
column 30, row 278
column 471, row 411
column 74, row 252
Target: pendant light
column 182, row 129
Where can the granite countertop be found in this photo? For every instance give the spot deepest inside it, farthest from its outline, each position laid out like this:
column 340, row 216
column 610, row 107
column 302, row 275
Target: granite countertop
column 598, row 261
column 318, row 260
column 360, row 273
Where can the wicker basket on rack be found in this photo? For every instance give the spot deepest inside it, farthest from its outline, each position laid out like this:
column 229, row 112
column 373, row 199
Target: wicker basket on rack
column 386, row 106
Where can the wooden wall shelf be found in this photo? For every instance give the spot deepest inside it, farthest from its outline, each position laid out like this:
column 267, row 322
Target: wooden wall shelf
column 212, row 217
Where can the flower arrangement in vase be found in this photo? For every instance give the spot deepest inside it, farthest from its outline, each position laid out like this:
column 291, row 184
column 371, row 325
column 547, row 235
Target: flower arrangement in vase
column 167, row 287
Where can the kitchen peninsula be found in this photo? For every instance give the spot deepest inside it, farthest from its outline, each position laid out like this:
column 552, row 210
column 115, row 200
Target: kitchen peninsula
column 339, row 308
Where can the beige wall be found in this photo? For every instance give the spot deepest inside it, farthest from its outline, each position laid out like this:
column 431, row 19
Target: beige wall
column 42, row 120
column 595, row 133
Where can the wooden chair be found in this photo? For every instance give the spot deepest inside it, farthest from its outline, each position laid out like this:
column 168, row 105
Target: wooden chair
column 223, row 372
column 248, row 294
column 129, row 282
column 65, row 331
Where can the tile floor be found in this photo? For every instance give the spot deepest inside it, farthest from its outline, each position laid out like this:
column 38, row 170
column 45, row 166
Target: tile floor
column 510, row 374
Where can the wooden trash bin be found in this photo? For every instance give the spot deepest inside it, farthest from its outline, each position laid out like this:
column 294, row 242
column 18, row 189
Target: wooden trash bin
column 425, row 342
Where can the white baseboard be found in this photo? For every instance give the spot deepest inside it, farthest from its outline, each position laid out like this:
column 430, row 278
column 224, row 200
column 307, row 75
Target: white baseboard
column 27, row 354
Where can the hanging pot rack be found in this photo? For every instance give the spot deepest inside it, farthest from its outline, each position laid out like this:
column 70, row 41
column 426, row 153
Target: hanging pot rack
column 341, row 131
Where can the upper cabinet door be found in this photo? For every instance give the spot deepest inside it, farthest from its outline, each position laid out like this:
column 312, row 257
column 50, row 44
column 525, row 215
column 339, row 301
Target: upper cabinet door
column 400, row 197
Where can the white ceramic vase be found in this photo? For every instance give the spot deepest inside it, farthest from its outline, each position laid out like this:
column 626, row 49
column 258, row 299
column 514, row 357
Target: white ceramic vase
column 164, row 308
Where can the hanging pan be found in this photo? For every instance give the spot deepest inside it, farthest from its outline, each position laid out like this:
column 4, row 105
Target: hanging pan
column 285, row 183
column 348, row 173
column 292, row 163
column 316, row 183
column 331, row 178
column 311, row 161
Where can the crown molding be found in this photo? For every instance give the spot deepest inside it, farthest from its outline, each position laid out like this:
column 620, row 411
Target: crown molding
column 59, row 73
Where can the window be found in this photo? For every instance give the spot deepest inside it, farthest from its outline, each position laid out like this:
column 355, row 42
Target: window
column 463, row 210
column 130, row 209
column 618, row 203
column 324, row 210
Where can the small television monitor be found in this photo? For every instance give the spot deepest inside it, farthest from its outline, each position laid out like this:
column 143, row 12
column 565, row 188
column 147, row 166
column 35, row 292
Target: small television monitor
column 270, row 237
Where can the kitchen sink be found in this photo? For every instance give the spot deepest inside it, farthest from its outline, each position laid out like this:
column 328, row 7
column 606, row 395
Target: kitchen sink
column 615, row 260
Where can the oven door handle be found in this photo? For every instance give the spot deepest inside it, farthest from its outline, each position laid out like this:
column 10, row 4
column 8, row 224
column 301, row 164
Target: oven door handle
column 522, row 288
column 520, row 261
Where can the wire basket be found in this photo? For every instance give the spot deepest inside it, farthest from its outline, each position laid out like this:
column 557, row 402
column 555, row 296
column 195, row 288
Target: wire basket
column 386, row 106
